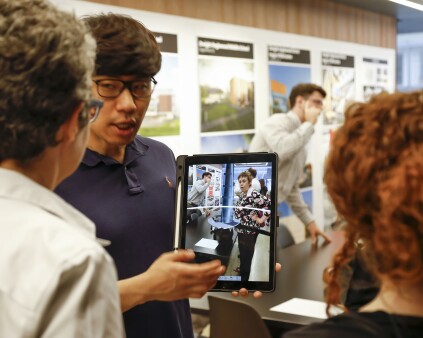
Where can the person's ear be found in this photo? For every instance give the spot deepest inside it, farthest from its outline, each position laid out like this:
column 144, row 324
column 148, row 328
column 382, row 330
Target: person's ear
column 69, row 130
column 299, row 100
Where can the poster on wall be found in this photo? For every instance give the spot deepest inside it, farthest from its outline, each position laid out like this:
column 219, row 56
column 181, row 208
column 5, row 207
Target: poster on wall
column 338, row 77
column 237, row 143
column 226, row 79
column 162, row 117
column 376, row 77
column 287, row 68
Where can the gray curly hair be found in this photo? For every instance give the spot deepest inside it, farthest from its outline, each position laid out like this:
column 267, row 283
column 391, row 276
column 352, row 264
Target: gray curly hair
column 46, row 61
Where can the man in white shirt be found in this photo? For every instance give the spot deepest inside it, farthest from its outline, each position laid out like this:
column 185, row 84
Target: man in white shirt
column 197, row 197
column 287, row 135
column 56, row 279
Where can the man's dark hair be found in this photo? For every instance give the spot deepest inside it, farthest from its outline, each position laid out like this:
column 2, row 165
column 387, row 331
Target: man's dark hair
column 253, row 172
column 206, row 174
column 124, row 46
column 46, row 62
column 304, row 90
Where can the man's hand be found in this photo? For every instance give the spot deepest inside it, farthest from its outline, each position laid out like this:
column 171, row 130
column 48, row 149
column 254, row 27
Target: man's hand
column 311, row 113
column 315, row 232
column 257, row 294
column 170, row 278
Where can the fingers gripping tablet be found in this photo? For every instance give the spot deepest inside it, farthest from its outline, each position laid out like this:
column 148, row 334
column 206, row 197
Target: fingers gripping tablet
column 226, row 210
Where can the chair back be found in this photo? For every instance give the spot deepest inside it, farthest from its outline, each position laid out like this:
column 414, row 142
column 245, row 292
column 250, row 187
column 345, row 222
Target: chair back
column 230, row 318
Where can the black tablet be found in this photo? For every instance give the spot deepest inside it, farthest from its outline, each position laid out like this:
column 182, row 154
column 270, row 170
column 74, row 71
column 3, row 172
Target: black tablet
column 226, row 210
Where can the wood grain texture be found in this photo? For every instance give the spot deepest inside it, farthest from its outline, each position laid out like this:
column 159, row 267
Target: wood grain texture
column 318, row 18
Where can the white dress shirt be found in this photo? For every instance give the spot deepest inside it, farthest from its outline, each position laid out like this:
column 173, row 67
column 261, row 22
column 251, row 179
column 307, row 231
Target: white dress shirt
column 56, row 280
column 285, row 135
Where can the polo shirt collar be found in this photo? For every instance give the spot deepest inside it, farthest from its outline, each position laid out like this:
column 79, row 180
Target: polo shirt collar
column 132, row 152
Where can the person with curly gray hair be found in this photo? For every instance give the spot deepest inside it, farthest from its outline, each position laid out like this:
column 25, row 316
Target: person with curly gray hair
column 57, row 280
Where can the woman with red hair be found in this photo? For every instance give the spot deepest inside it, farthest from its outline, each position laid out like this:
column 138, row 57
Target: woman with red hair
column 375, row 178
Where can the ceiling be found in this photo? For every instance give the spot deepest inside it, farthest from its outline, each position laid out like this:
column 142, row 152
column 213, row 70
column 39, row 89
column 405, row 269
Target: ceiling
column 409, row 20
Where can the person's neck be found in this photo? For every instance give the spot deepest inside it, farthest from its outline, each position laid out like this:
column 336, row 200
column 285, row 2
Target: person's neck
column 117, row 152
column 299, row 112
column 40, row 170
column 399, row 299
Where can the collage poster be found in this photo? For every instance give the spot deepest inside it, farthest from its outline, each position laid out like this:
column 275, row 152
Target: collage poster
column 338, row 79
column 375, row 77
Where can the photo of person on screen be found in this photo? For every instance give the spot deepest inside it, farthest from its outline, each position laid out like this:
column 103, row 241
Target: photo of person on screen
column 253, row 210
column 197, row 197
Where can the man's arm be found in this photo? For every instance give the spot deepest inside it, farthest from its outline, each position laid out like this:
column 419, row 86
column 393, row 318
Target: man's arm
column 283, row 141
column 299, row 207
column 170, row 278
column 200, row 185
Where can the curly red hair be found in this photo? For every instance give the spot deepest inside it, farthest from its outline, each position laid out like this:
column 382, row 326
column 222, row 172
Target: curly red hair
column 375, row 178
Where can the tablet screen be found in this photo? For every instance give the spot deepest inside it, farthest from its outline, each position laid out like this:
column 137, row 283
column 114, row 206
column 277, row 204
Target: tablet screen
column 227, row 211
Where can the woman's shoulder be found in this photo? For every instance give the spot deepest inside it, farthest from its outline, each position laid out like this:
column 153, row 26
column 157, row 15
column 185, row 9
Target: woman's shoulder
column 361, row 324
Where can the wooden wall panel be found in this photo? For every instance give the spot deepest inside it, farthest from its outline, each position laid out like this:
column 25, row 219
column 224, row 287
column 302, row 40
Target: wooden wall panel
column 319, row 18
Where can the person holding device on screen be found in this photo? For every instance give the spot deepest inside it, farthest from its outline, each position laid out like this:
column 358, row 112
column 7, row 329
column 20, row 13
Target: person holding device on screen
column 126, row 185
column 197, row 197
column 251, row 220
column 287, row 135
column 56, row 279
column 374, row 176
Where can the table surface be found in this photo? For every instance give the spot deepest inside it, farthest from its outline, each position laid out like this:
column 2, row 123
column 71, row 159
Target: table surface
column 301, row 277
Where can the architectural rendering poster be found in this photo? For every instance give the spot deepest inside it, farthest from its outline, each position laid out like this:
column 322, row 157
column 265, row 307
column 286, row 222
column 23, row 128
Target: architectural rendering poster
column 162, row 117
column 338, row 77
column 238, row 143
column 226, row 78
column 375, row 72
column 287, row 68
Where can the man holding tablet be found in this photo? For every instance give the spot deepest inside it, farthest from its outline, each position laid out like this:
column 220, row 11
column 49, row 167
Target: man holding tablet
column 126, row 185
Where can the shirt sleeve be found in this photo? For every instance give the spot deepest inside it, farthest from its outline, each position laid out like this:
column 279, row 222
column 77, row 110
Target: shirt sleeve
column 83, row 301
column 298, row 206
column 201, row 187
column 285, row 143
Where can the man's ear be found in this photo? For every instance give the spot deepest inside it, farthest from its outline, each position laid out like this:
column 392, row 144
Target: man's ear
column 70, row 128
column 299, row 100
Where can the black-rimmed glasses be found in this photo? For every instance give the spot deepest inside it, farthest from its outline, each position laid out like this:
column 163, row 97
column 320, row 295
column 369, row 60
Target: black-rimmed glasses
column 112, row 88
column 93, row 108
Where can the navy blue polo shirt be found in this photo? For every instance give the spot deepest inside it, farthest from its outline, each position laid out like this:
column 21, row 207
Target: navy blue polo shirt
column 132, row 205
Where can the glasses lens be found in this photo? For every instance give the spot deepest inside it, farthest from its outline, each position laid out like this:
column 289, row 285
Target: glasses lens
column 142, row 88
column 109, row 88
